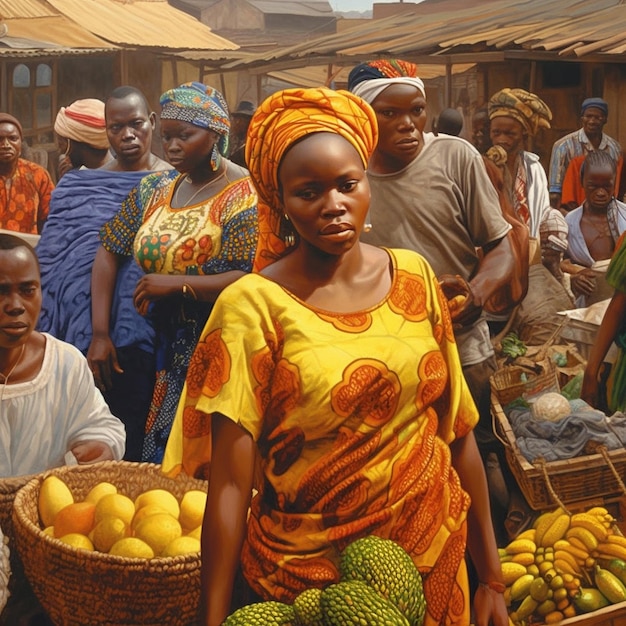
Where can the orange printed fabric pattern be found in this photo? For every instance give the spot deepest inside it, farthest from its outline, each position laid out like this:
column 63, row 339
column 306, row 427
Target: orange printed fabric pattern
column 281, row 120
column 353, row 416
column 25, row 198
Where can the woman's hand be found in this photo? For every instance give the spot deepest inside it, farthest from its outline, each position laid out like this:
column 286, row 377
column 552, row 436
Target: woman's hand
column 102, row 359
column 92, row 452
column 590, row 389
column 461, row 300
column 153, row 287
column 583, row 283
column 489, row 608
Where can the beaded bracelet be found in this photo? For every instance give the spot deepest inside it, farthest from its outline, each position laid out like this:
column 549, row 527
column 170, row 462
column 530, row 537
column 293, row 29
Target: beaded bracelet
column 494, row 585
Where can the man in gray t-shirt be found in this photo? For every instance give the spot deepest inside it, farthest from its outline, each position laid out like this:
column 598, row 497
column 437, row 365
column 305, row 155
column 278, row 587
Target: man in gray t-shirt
column 433, row 195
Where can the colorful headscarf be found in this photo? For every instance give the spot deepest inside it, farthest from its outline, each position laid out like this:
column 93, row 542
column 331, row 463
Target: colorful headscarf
column 370, row 79
column 199, row 105
column 83, row 121
column 525, row 107
column 7, row 118
column 284, row 118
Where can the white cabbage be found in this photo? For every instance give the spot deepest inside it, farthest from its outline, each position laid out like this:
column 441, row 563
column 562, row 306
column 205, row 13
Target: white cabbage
column 551, row 406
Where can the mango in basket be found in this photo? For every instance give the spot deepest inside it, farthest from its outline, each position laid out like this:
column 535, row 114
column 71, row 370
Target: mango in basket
column 192, row 508
column 158, row 531
column 161, row 498
column 143, row 512
column 77, row 541
column 182, row 545
column 78, row 517
column 108, row 530
column 115, row 505
column 196, row 533
column 54, row 495
column 133, row 548
column 99, row 490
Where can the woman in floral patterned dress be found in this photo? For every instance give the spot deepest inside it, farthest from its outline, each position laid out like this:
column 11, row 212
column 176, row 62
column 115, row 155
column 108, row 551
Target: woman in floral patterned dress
column 193, row 231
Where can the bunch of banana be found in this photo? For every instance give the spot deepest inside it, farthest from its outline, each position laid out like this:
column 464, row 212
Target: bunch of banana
column 563, row 566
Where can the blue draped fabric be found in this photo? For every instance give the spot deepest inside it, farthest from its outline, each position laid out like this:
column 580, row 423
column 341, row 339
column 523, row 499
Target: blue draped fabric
column 81, row 203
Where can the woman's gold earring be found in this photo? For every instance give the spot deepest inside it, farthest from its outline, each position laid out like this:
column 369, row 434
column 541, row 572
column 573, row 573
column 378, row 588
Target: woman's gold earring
column 287, row 233
column 368, row 224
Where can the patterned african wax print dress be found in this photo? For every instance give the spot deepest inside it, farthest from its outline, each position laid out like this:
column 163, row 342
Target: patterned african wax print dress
column 352, row 415
column 212, row 237
column 616, row 384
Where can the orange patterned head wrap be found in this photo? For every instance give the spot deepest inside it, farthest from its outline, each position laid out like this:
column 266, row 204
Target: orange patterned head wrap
column 284, row 118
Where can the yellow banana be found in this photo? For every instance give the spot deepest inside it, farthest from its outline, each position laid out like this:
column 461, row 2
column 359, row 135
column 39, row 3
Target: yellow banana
column 525, row 609
column 511, row 572
column 521, row 587
column 580, row 554
column 565, row 567
column 554, row 617
column 521, row 545
column 590, row 523
column 545, row 607
column 582, row 533
column 610, row 550
column 543, row 522
column 568, row 557
column 529, row 533
column 525, row 558
column 616, row 539
column 598, row 511
column 556, row 530
column 578, row 544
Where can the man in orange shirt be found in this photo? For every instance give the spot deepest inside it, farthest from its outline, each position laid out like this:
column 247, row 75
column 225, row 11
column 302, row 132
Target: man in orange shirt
column 26, row 186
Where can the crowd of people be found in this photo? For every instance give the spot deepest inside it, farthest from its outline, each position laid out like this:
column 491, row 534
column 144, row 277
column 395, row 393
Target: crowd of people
column 282, row 314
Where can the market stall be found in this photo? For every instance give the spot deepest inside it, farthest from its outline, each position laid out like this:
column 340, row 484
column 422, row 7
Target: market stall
column 569, row 461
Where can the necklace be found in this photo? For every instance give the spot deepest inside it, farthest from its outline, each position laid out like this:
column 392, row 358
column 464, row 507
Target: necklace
column 17, row 361
column 186, row 179
column 602, row 230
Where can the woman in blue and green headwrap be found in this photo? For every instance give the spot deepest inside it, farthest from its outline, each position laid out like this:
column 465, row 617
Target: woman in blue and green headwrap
column 193, row 231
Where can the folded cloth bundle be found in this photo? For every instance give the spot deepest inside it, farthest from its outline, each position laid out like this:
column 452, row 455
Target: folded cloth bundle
column 567, row 437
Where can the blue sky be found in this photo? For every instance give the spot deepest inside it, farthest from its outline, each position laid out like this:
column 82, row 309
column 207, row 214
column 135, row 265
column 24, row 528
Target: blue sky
column 357, row 5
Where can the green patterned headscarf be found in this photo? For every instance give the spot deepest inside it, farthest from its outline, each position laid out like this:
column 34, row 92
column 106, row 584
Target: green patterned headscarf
column 521, row 105
column 200, row 105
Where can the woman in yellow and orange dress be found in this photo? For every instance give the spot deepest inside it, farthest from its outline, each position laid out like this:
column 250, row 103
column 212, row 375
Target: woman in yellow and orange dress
column 331, row 383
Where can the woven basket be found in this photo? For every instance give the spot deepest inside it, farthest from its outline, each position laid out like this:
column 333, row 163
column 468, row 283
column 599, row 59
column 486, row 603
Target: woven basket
column 508, row 385
column 18, row 586
column 81, row 588
column 577, row 482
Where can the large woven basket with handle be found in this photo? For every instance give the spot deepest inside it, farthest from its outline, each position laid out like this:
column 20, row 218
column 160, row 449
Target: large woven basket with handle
column 82, row 588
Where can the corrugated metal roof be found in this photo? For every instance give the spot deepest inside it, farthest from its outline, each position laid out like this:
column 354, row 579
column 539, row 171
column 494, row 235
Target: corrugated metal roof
column 57, row 30
column 108, row 23
column 292, row 7
column 10, row 9
column 141, row 23
column 568, row 28
column 313, row 76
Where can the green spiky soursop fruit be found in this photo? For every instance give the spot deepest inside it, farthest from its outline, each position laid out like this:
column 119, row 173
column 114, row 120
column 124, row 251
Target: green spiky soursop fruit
column 354, row 603
column 262, row 614
column 308, row 608
column 389, row 570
